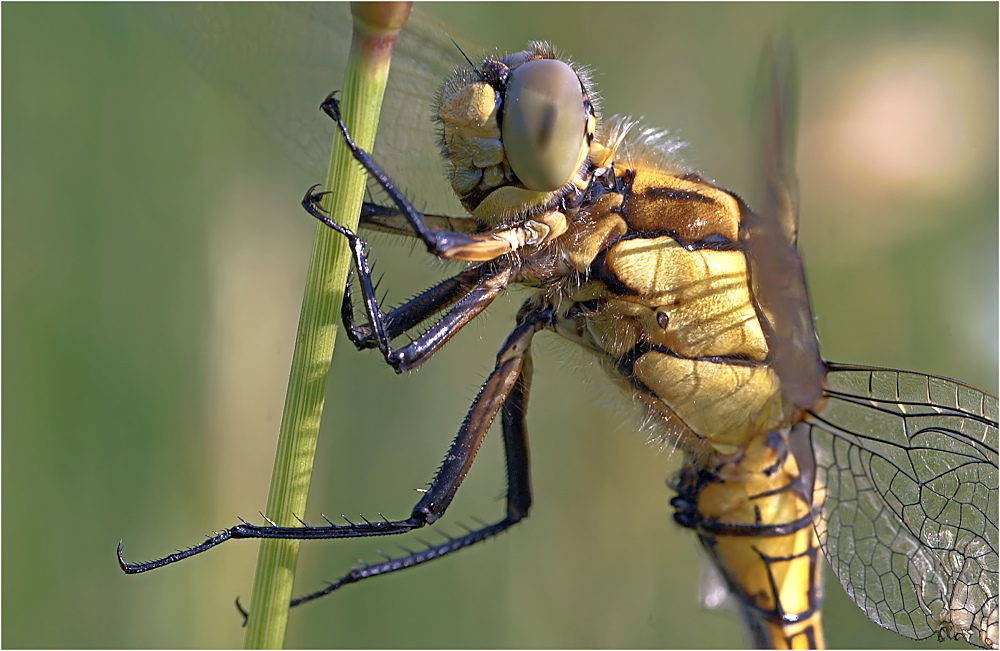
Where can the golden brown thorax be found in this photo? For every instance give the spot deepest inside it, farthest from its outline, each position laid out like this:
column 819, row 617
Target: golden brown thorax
column 677, row 316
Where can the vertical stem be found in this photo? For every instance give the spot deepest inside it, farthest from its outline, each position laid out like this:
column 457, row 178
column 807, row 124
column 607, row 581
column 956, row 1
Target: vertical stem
column 376, row 26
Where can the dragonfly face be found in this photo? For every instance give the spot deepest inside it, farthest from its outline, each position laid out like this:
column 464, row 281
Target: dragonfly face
column 604, row 338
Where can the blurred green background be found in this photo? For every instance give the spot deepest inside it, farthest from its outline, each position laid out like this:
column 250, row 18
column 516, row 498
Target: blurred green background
column 154, row 256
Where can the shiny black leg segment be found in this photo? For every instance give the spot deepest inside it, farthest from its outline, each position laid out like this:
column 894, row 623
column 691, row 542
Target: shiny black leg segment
column 515, row 440
column 437, row 242
column 506, row 388
column 416, row 310
column 494, row 280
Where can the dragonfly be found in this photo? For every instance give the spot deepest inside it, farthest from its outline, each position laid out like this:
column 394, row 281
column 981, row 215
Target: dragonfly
column 865, row 385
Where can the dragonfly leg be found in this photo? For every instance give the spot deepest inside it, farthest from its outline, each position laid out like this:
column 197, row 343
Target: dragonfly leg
column 406, row 316
column 447, row 244
column 491, row 281
column 506, row 390
column 416, row 310
column 437, row 242
column 388, row 219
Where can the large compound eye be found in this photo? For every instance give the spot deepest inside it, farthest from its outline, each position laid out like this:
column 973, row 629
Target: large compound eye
column 544, row 123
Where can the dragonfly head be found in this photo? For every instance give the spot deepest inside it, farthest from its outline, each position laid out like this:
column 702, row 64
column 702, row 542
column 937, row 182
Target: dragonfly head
column 519, row 132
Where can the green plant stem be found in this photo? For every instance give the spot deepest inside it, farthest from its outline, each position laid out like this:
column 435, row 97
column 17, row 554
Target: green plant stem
column 376, row 26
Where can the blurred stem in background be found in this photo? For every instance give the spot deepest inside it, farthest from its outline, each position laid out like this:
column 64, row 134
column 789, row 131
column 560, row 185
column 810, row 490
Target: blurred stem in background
column 376, row 26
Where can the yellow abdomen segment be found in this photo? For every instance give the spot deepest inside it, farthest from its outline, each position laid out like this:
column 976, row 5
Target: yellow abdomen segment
column 754, row 517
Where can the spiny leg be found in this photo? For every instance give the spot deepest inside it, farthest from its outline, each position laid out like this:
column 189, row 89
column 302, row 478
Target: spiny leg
column 410, row 314
column 505, row 381
column 388, row 219
column 461, row 244
column 438, row 242
column 416, row 310
column 506, row 389
column 493, row 280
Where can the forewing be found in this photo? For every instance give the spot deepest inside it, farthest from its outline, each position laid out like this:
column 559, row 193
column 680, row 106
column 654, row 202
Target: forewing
column 776, row 269
column 283, row 59
column 906, row 477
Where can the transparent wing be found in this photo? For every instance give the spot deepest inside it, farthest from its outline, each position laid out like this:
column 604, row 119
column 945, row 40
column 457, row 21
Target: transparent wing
column 779, row 284
column 906, row 473
column 284, row 59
